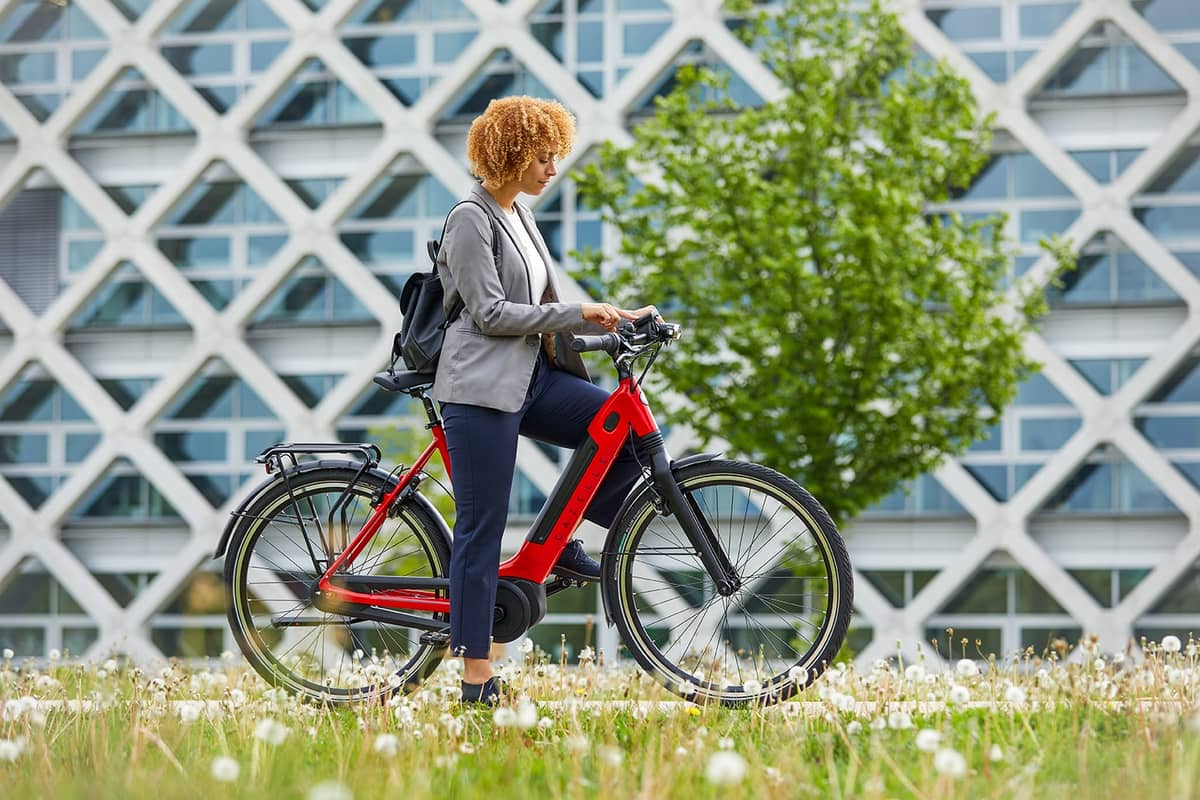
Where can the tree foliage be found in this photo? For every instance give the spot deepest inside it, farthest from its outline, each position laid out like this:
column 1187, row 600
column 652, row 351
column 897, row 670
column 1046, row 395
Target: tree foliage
column 834, row 328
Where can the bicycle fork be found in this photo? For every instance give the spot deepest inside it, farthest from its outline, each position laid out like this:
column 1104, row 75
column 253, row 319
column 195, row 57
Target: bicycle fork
column 687, row 512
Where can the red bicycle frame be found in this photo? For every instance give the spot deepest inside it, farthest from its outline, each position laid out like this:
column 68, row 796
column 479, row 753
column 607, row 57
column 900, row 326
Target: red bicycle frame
column 626, row 411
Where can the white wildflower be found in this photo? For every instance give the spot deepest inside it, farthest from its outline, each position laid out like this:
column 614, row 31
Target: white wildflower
column 995, row 753
column 966, row 668
column 950, row 762
column 466, row 748
column 386, row 744
column 928, row 740
column 189, row 712
column 725, row 768
column 110, row 665
column 55, row 655
column 725, row 743
column 10, row 750
column 685, row 688
column 681, row 751
column 899, row 721
column 545, row 724
column 773, row 774
column 225, row 769
column 587, row 655
column 8, row 654
column 878, row 724
column 914, row 672
column 504, row 717
column 1171, row 644
column 526, row 716
column 854, row 727
column 577, row 744
column 270, row 731
column 1099, row 664
column 527, row 646
column 612, row 756
column 798, row 675
column 1015, row 695
column 752, row 687
column 959, row 694
column 330, row 790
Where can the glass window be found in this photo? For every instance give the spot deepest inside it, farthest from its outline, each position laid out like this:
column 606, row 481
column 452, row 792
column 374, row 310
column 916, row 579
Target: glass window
column 1170, row 15
column 550, row 34
column 79, row 445
column 18, row 68
column 1032, row 179
column 197, row 251
column 991, row 441
column 202, row 59
column 1044, row 19
column 1047, row 434
column 448, row 46
column 1037, row 225
column 1181, row 175
column 1032, row 598
column 967, row 23
column 1107, row 375
column 1137, row 282
column 192, row 445
column 23, row 448
column 1181, row 387
column 1190, row 470
column 993, row 64
column 991, row 182
column 890, row 584
column 636, row 39
column 1089, row 489
column 384, row 51
column 1183, row 597
column 986, row 593
column 993, row 477
column 1097, row 582
column 1038, row 391
column 1136, row 492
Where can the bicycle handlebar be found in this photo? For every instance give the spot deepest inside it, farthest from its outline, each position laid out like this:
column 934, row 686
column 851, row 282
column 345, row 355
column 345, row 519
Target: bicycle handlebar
column 643, row 330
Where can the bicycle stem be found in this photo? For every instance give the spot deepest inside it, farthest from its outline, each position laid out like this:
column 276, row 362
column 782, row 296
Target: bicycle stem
column 715, row 562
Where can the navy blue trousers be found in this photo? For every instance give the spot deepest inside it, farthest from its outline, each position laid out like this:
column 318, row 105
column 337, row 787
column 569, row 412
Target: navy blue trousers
column 483, row 456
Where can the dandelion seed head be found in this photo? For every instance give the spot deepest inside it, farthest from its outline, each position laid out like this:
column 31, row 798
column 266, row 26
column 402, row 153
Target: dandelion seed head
column 959, row 694
column 1171, row 644
column 613, row 756
column 928, row 740
column 725, row 768
column 966, row 668
column 725, row 743
column 527, row 646
column 526, row 715
column 752, row 687
column 854, row 727
column 225, row 769
column 899, row 721
column 1015, row 695
column 8, row 654
column 330, row 790
column 950, row 762
column 271, row 731
column 11, row 749
column 386, row 744
column 995, row 754
column 914, row 673
column 504, row 717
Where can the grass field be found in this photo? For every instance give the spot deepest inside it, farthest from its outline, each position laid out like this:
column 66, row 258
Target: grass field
column 1090, row 726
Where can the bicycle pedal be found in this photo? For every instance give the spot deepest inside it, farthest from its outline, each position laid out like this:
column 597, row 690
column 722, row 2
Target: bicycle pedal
column 435, row 638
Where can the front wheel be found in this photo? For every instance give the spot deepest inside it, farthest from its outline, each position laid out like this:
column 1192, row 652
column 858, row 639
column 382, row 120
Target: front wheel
column 768, row 639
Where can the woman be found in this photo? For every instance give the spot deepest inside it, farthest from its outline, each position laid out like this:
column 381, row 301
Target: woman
column 500, row 373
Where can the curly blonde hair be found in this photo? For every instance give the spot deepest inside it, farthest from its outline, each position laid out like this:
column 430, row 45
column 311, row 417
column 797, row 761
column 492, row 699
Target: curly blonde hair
column 512, row 131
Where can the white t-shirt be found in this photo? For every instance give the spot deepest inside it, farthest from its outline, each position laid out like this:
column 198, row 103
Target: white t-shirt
column 537, row 267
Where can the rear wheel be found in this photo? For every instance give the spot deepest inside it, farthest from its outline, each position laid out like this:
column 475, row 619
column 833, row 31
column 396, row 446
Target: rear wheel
column 276, row 555
column 773, row 635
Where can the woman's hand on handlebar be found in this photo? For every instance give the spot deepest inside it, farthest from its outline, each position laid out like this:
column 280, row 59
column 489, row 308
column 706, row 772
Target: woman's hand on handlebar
column 608, row 316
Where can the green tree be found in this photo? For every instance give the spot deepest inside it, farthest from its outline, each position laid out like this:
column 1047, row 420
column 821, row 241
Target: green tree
column 834, row 328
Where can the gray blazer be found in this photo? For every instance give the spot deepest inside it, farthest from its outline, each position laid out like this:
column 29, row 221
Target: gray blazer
column 489, row 352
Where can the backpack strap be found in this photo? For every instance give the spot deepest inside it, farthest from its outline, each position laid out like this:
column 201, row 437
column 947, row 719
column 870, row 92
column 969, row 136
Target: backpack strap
column 433, row 246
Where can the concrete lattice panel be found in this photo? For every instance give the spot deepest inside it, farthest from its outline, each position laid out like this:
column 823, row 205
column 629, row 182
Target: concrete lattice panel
column 407, row 131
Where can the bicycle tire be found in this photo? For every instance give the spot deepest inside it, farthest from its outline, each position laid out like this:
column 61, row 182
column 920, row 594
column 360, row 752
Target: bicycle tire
column 654, row 579
column 269, row 572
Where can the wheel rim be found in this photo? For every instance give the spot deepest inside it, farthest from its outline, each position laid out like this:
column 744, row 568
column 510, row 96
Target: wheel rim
column 765, row 639
column 335, row 656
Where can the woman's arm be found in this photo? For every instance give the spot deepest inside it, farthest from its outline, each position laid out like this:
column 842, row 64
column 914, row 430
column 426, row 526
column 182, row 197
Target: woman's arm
column 468, row 251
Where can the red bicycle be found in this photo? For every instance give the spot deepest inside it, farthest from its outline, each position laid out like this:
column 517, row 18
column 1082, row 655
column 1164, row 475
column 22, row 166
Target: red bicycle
column 727, row 581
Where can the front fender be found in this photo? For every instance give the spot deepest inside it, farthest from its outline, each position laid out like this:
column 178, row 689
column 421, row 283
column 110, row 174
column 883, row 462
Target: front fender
column 389, row 480
column 635, row 494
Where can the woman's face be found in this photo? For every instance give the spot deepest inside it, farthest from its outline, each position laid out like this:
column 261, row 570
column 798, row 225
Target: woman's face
column 538, row 174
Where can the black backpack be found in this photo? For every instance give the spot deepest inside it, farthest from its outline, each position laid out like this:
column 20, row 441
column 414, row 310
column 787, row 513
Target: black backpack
column 419, row 341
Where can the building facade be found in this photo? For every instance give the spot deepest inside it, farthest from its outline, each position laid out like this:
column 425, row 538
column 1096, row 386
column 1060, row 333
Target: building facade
column 207, row 208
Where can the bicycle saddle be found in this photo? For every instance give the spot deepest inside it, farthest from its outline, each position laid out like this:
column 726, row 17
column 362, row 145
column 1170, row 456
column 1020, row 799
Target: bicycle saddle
column 403, row 381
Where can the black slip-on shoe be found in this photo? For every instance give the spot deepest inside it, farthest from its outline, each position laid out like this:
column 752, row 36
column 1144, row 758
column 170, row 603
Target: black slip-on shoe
column 576, row 564
column 487, row 693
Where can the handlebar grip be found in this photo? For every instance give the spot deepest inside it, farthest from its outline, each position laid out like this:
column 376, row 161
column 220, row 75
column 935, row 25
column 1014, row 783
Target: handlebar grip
column 609, row 343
